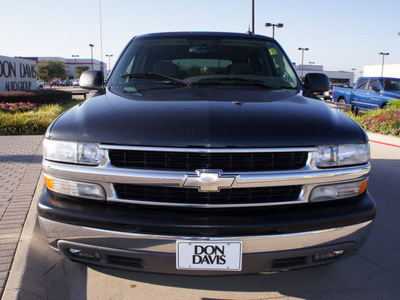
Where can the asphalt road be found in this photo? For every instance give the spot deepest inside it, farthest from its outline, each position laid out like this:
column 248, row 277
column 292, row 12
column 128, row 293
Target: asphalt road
column 374, row 273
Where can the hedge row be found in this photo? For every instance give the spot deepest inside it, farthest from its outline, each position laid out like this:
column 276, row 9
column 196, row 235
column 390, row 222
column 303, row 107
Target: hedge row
column 40, row 97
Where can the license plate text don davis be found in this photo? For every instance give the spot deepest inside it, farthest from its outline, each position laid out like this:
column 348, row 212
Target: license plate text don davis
column 193, row 255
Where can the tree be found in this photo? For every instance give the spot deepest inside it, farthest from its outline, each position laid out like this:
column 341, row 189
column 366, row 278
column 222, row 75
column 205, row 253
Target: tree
column 79, row 70
column 51, row 69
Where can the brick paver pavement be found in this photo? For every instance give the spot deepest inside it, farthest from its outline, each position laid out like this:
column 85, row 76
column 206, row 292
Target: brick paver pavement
column 20, row 167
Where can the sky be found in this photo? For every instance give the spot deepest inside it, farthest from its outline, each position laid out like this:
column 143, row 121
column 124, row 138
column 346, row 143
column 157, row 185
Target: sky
column 341, row 35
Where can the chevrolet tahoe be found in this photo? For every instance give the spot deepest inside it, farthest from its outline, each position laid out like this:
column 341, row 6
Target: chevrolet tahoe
column 203, row 153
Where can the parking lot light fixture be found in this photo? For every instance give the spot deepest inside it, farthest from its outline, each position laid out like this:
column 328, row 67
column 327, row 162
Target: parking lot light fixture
column 302, row 60
column 75, row 56
column 383, row 60
column 354, row 74
column 91, row 48
column 279, row 25
column 109, row 61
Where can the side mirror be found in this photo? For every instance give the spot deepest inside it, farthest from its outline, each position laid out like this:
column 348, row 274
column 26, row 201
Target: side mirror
column 91, row 80
column 316, row 82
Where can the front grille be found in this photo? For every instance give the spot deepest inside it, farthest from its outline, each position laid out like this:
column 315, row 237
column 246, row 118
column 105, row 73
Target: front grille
column 191, row 161
column 238, row 196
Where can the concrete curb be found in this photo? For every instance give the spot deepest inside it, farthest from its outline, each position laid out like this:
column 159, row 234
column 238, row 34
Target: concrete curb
column 14, row 282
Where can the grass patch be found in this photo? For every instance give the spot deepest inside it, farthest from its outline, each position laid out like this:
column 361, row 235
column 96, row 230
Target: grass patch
column 32, row 122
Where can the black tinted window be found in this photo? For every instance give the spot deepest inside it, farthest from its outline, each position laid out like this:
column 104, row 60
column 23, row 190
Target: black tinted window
column 196, row 59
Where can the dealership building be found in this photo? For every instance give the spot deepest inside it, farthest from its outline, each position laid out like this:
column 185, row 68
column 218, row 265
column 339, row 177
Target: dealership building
column 71, row 63
column 334, row 76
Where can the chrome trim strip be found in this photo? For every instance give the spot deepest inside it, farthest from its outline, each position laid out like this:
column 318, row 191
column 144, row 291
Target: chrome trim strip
column 302, row 177
column 108, row 174
column 208, row 150
column 55, row 231
column 196, row 205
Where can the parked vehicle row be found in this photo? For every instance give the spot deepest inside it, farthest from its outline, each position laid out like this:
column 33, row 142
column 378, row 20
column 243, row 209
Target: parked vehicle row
column 67, row 82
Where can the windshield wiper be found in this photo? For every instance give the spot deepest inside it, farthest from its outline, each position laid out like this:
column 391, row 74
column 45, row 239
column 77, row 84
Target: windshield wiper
column 154, row 75
column 240, row 80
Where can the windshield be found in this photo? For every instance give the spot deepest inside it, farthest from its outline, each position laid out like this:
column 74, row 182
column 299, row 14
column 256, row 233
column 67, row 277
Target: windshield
column 391, row 84
column 199, row 60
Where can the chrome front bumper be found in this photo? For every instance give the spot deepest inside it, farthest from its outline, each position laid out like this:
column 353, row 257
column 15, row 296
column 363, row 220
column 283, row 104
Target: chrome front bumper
column 156, row 253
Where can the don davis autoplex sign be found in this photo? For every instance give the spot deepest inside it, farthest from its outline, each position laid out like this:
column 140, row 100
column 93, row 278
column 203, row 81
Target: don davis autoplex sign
column 17, row 74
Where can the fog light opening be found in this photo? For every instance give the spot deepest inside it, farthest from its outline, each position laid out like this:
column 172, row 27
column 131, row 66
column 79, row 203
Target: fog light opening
column 328, row 255
column 84, row 254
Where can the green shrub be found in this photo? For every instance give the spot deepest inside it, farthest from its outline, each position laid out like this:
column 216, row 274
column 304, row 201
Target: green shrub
column 39, row 97
column 393, row 105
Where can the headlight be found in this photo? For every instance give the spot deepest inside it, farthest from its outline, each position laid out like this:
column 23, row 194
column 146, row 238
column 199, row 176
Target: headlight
column 342, row 155
column 72, row 152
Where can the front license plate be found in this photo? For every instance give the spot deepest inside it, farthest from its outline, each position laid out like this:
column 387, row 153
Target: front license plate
column 194, row 255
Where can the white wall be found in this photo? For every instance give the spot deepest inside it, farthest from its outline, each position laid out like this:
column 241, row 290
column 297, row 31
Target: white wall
column 388, row 71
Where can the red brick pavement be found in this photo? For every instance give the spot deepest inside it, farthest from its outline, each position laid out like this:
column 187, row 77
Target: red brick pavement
column 20, row 167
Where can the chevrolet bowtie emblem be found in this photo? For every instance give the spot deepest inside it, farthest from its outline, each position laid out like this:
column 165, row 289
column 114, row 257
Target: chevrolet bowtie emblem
column 209, row 181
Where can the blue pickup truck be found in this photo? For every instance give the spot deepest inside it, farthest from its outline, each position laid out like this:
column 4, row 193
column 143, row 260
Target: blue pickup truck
column 369, row 93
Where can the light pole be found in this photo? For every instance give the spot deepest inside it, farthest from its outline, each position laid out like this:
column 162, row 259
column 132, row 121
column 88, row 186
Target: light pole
column 383, row 60
column 279, row 25
column 75, row 56
column 354, row 74
column 91, row 48
column 302, row 60
column 109, row 62
column 253, row 30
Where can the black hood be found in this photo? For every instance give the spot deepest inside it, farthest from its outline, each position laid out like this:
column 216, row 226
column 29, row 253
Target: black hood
column 206, row 117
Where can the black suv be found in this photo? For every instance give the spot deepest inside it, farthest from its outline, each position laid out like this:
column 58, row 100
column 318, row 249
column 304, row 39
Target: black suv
column 201, row 155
